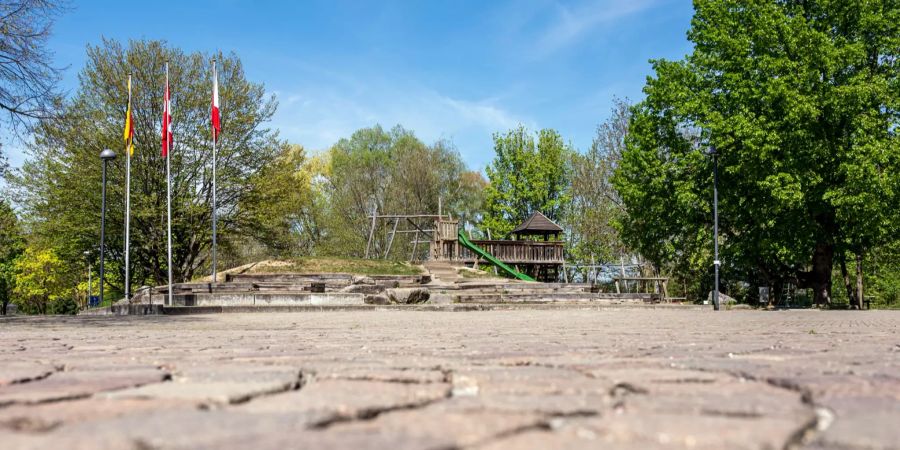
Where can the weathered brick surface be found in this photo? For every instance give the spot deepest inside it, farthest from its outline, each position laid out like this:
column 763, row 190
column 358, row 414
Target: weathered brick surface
column 568, row 378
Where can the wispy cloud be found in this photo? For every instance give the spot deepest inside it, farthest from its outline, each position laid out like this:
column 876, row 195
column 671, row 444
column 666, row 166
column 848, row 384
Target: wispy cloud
column 568, row 23
column 317, row 116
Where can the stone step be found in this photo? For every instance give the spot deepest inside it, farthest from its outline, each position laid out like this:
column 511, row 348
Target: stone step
column 542, row 298
column 268, row 299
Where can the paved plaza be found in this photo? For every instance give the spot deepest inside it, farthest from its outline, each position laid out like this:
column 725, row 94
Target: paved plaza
column 534, row 379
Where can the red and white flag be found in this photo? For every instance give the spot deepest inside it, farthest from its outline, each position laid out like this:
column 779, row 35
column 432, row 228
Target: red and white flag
column 216, row 125
column 166, row 122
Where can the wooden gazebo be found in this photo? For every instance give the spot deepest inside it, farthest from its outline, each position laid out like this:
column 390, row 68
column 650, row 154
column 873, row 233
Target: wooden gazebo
column 537, row 224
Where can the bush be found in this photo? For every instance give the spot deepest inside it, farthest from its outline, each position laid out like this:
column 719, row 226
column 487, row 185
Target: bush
column 65, row 306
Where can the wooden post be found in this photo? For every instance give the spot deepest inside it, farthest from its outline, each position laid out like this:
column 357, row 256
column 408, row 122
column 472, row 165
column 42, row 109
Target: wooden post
column 372, row 230
column 391, row 239
column 412, row 257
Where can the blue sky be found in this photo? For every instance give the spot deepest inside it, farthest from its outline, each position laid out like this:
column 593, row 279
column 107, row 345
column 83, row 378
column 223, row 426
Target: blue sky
column 459, row 70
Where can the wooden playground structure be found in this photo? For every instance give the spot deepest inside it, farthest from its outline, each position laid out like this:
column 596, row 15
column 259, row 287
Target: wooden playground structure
column 535, row 251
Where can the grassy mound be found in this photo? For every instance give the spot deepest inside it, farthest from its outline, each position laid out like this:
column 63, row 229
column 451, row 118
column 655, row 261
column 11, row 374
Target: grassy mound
column 334, row 265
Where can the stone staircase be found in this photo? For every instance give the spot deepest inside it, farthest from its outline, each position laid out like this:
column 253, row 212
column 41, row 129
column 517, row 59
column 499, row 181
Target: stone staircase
column 442, row 285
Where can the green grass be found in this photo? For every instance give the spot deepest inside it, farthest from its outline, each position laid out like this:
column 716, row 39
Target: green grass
column 476, row 274
column 337, row 265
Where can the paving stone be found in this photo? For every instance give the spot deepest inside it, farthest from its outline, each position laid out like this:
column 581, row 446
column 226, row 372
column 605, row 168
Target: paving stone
column 563, row 378
column 325, row 401
column 76, row 384
column 19, row 371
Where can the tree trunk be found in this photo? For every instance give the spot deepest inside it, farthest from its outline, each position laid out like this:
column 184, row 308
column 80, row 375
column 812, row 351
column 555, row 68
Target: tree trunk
column 820, row 276
column 775, row 290
column 848, row 286
column 859, row 281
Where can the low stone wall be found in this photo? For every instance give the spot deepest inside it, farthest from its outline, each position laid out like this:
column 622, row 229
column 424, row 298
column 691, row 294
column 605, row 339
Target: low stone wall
column 267, row 299
column 124, row 310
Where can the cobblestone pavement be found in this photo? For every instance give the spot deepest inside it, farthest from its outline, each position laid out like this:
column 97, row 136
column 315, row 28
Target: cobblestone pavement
column 568, row 378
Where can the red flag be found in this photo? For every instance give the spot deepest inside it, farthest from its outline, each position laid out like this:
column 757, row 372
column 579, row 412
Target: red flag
column 166, row 122
column 216, row 126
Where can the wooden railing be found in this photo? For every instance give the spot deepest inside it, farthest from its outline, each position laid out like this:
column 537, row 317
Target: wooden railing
column 517, row 252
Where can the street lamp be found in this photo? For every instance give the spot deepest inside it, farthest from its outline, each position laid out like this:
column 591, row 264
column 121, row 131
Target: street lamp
column 106, row 156
column 716, row 262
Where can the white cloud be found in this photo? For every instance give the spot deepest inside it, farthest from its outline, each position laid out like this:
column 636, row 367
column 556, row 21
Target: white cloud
column 572, row 23
column 318, row 116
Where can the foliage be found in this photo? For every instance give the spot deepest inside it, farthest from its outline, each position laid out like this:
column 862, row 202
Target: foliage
column 40, row 281
column 63, row 306
column 58, row 185
column 526, row 176
column 27, row 79
column 281, row 208
column 12, row 244
column 801, row 101
column 595, row 205
column 396, row 173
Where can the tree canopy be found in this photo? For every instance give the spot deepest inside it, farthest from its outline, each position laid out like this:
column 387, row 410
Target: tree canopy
column 58, row 186
column 800, row 99
column 529, row 173
column 28, row 77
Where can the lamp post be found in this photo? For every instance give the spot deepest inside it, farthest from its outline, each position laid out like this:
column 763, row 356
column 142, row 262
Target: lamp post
column 716, row 262
column 106, row 156
column 87, row 257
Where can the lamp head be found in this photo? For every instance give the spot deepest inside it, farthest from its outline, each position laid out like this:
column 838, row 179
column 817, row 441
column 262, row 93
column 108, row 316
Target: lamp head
column 107, row 155
column 711, row 150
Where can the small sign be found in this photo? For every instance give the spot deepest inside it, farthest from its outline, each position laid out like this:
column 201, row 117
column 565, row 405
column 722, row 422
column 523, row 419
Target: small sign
column 94, row 301
column 764, row 294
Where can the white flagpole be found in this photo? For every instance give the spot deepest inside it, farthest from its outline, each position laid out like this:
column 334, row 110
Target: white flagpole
column 168, row 113
column 128, row 200
column 215, row 138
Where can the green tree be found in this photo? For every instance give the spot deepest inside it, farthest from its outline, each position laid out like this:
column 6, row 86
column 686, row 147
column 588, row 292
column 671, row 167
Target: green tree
column 280, row 210
column 396, row 173
column 58, row 185
column 526, row 176
column 12, row 244
column 596, row 207
column 801, row 101
column 40, row 281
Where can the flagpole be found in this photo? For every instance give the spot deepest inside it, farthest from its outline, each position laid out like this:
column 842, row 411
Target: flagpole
column 169, row 190
column 215, row 138
column 128, row 199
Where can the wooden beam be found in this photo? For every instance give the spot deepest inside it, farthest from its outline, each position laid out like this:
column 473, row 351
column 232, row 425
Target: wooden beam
column 420, row 228
column 371, row 230
column 391, row 240
column 412, row 257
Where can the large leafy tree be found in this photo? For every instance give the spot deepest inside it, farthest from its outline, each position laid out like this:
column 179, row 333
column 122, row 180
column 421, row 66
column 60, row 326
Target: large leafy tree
column 40, row 281
column 393, row 172
column 529, row 173
column 801, row 100
column 12, row 244
column 282, row 209
column 58, row 186
column 595, row 205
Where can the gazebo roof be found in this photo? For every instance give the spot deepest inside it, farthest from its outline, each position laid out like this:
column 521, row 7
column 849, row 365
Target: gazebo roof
column 537, row 223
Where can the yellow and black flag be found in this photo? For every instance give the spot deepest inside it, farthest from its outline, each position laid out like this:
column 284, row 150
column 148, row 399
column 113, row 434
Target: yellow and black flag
column 128, row 134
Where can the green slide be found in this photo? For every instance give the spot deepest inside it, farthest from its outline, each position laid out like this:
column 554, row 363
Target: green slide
column 480, row 252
